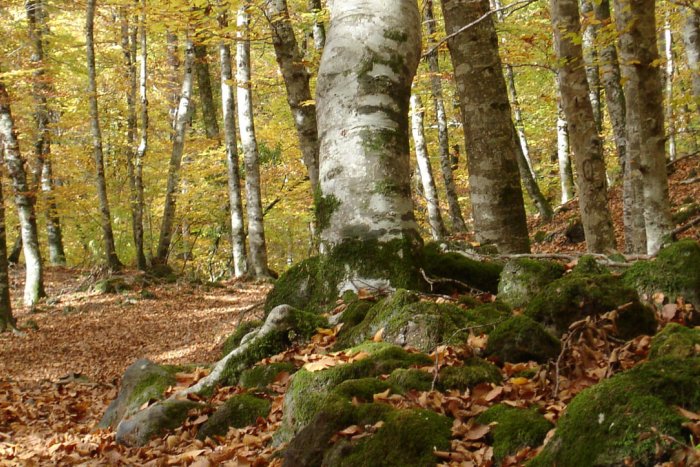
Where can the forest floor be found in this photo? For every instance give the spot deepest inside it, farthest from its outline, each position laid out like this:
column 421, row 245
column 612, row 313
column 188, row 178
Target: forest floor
column 57, row 379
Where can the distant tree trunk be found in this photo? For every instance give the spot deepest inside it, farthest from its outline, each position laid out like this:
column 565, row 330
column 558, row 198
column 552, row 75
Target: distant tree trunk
column 691, row 39
column 206, row 96
column 138, row 198
column 256, row 229
column 24, row 200
column 590, row 58
column 36, row 15
column 296, row 81
column 456, row 218
column 16, row 252
column 636, row 23
column 106, row 218
column 496, row 194
column 612, row 82
column 228, row 104
column 566, row 174
column 182, row 119
column 668, row 77
column 437, row 227
column 533, row 190
column 7, row 321
column 173, row 84
column 583, row 132
column 319, row 30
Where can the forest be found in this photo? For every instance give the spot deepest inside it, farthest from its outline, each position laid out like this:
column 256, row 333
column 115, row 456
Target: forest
column 350, row 232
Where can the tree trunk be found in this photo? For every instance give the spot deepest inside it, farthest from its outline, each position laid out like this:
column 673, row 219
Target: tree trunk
column 691, row 39
column 24, row 200
column 583, row 132
column 668, row 77
column 566, row 174
column 496, row 194
column 456, row 218
column 533, row 190
column 41, row 89
column 206, row 96
column 636, row 23
column 182, row 119
column 364, row 86
column 173, row 84
column 256, row 229
column 7, row 321
column 106, row 218
column 319, row 30
column 437, row 227
column 296, row 81
column 228, row 104
column 138, row 197
column 590, row 58
column 16, row 252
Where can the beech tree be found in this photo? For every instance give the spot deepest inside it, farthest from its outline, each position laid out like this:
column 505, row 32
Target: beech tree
column 7, row 321
column 691, row 40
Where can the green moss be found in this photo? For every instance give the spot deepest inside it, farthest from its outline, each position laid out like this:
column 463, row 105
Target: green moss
column 623, row 419
column 112, row 285
column 408, row 437
column 398, row 35
column 263, row 375
column 514, row 429
column 324, row 207
column 407, row 379
column 354, row 314
column 523, row 278
column 479, row 275
column 238, row 411
column 234, row 340
column 474, row 371
column 486, row 317
column 686, row 212
column 520, row 339
column 361, row 389
column 588, row 265
column 577, row 295
column 151, row 386
column 675, row 341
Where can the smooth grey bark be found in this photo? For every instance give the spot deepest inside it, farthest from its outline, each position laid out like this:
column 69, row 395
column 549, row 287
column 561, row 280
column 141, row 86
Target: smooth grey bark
column 566, row 173
column 206, row 96
column 437, row 226
column 100, row 180
column 182, row 119
column 173, row 84
column 590, row 58
column 228, row 104
column 41, row 89
column 24, row 200
column 363, row 92
column 691, row 40
column 639, row 55
column 456, row 218
column 142, row 148
column 583, row 132
column 256, row 229
column 296, row 81
column 669, row 72
column 319, row 29
column 7, row 321
column 496, row 194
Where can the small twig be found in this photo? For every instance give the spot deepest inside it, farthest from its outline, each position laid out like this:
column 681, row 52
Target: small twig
column 690, row 181
column 678, row 159
column 445, row 280
column 687, row 226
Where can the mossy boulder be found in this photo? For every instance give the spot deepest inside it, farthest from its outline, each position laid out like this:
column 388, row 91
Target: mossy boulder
column 520, row 339
column 480, row 275
column 111, row 285
column 472, row 372
column 676, row 341
column 142, row 382
column 674, row 272
column 157, row 420
column 627, row 419
column 514, row 429
column 403, row 380
column 523, row 278
column 578, row 295
column 362, row 389
column 354, row 314
column 261, row 376
column 238, row 411
column 309, row 391
column 235, row 339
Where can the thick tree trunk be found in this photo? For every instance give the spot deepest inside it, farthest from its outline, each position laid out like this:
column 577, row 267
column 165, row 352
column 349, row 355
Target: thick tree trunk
column 319, row 30
column 496, row 194
column 583, row 132
column 41, row 89
column 437, row 227
column 636, row 23
column 24, row 200
column 106, row 218
column 206, row 96
column 590, row 58
column 256, row 229
column 668, row 78
column 566, row 174
column 456, row 218
column 296, row 81
column 7, row 321
column 691, row 39
column 181, row 123
column 228, row 104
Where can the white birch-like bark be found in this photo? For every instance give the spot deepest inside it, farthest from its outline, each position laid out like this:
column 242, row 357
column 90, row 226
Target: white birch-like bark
column 437, row 227
column 639, row 55
column 143, row 143
column 228, row 104
column 182, row 119
column 670, row 72
column 256, row 228
column 319, row 29
column 691, row 40
column 590, row 58
column 100, row 179
column 566, row 174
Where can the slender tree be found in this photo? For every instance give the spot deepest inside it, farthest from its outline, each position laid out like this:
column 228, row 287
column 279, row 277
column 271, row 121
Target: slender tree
column 691, row 40
column 566, row 173
column 206, row 96
column 319, row 29
column 585, row 140
column 137, row 184
column 496, row 195
column 669, row 73
column 7, row 321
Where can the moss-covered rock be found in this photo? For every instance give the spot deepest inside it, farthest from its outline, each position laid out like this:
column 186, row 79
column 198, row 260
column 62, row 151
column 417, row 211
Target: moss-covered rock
column 623, row 419
column 524, row 278
column 238, row 411
column 588, row 265
column 354, row 314
column 514, row 429
column 111, row 285
column 674, row 272
column 408, row 437
column 407, row 379
column 481, row 275
column 473, row 371
column 362, row 389
column 520, row 339
column 262, row 376
column 309, row 391
column 154, row 421
column 234, row 340
column 143, row 381
column 675, row 341
column 577, row 295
